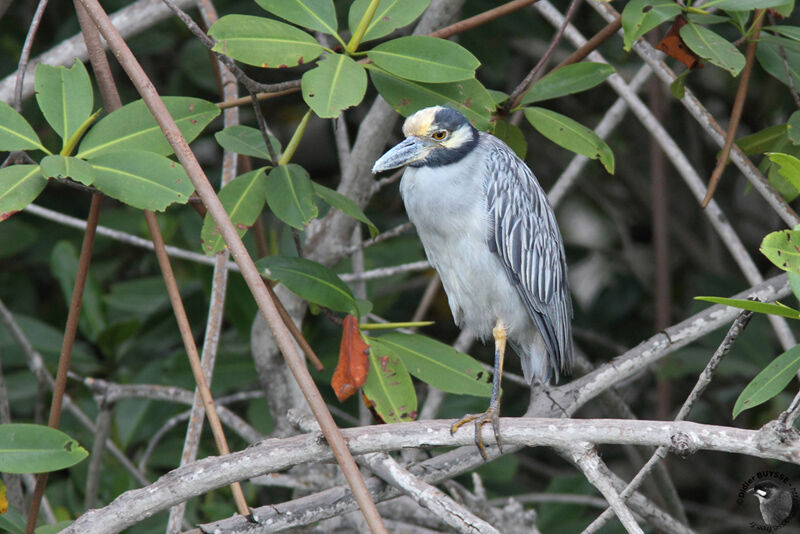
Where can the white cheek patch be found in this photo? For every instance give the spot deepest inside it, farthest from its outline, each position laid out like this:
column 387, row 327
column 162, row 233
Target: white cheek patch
column 458, row 138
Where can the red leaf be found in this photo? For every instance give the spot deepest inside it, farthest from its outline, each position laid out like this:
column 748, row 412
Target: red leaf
column 351, row 370
column 673, row 46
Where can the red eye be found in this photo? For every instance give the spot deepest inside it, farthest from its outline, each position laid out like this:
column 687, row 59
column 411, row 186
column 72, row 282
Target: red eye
column 439, row 135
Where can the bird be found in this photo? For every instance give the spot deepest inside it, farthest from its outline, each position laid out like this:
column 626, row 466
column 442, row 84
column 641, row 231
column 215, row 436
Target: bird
column 776, row 503
column 489, row 231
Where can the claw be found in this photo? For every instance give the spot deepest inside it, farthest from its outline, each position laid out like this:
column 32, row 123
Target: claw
column 491, row 416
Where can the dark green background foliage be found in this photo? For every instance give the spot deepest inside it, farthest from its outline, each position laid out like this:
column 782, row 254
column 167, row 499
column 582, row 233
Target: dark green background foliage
column 127, row 332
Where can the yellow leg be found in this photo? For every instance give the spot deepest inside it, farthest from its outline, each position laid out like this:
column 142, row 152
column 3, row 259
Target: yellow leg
column 492, row 414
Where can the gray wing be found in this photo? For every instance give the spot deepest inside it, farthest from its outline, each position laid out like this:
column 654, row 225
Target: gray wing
column 525, row 236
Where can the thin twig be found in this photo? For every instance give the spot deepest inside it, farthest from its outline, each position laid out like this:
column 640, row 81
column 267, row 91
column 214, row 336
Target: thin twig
column 516, row 95
column 738, row 106
column 592, row 44
column 206, row 192
column 481, row 18
column 383, row 236
column 101, row 432
column 739, row 324
column 70, row 331
column 25, row 54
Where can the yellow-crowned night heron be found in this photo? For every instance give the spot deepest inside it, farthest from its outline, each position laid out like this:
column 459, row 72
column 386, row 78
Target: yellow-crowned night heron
column 489, row 231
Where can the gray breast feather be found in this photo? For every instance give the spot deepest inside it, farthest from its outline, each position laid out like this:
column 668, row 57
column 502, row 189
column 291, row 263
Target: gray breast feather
column 525, row 236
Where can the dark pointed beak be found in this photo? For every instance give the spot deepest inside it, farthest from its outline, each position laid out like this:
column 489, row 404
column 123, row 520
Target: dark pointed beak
column 411, row 149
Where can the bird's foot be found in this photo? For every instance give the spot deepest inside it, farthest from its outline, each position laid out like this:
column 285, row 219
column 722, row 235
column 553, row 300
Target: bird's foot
column 490, row 416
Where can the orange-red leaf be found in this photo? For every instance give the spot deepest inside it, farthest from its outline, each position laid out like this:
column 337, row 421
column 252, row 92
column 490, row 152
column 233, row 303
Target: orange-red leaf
column 351, row 370
column 673, row 46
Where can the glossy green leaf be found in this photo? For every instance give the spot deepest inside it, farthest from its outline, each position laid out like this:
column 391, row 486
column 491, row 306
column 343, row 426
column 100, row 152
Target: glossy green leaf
column 794, row 283
column 743, row 5
column 425, row 59
column 437, row 364
column 783, row 249
column 345, row 205
column 247, row 141
column 713, row 47
column 783, row 186
column 15, row 132
column 290, row 195
column 28, row 448
column 52, row 529
column 19, row 186
column 133, row 127
column 770, row 381
column 263, row 42
column 405, row 96
column 319, row 15
column 787, row 44
column 641, row 16
column 571, row 135
column 512, row 136
column 55, row 166
column 65, row 97
column 12, row 521
column 678, row 85
column 793, row 128
column 759, row 307
column 390, row 15
column 568, row 80
column 788, row 167
column 762, row 141
column 141, row 179
column 309, row 280
column 64, row 268
column 388, row 386
column 243, row 198
column 335, row 84
column 791, row 32
column 769, row 57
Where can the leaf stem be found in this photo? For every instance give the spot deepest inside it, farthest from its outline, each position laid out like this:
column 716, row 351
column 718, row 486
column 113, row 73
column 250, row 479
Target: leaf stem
column 392, row 326
column 286, row 157
column 361, row 29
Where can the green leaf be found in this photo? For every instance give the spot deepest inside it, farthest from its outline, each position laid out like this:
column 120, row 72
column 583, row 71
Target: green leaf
column 743, row 5
column 792, row 32
column 425, row 59
column 141, row 179
column 711, row 46
column 19, row 186
column 437, row 364
column 263, row 42
column 794, row 283
column 788, row 167
column 309, row 280
column 568, row 80
column 290, row 195
column 28, row 448
column 388, row 386
column 763, row 140
column 133, row 127
column 780, row 183
column 678, row 85
column 759, row 307
column 335, row 84
column 12, row 521
column 468, row 97
column 55, row 166
column 64, row 267
column 65, row 97
column 793, row 128
column 390, row 15
column 319, row 15
column 54, row 528
column 769, row 57
column 15, row 132
column 641, row 16
column 243, row 199
column 769, row 382
column 345, row 205
column 512, row 136
column 247, row 141
column 783, row 249
column 571, row 135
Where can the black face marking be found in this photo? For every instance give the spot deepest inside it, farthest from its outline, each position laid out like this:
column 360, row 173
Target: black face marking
column 449, row 119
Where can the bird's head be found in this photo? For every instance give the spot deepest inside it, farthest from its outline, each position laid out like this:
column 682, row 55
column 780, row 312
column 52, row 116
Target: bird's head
column 765, row 490
column 435, row 136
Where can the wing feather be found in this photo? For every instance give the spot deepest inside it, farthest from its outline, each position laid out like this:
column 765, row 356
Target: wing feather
column 525, row 236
